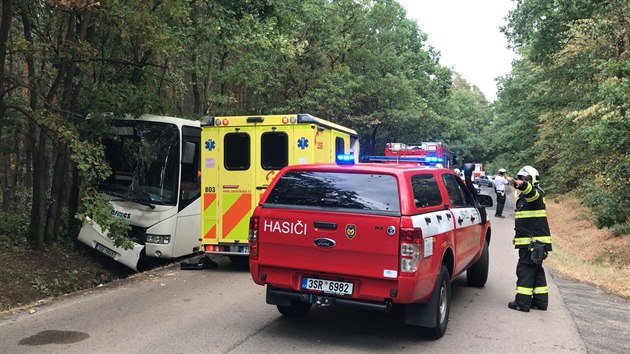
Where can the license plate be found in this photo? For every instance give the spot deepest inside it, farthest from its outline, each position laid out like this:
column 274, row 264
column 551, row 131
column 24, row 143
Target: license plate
column 239, row 249
column 327, row 286
column 105, row 250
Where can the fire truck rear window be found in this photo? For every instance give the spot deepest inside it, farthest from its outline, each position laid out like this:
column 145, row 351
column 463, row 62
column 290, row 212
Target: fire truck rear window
column 356, row 191
column 237, row 151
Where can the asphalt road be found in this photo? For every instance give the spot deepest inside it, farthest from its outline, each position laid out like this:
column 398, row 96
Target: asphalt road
column 223, row 311
column 602, row 319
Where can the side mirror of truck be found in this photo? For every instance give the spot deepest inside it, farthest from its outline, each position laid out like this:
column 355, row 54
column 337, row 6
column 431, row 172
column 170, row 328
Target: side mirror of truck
column 484, row 200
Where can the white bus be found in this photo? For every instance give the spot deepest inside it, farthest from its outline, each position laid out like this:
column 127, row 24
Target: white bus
column 155, row 185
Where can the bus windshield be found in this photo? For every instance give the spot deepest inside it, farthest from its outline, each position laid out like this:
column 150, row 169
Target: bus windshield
column 144, row 158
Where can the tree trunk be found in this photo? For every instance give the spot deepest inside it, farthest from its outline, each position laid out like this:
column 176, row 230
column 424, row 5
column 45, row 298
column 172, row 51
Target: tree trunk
column 195, row 86
column 372, row 145
column 40, row 172
column 5, row 27
column 56, row 197
column 37, row 146
column 208, row 82
column 5, row 182
column 74, row 225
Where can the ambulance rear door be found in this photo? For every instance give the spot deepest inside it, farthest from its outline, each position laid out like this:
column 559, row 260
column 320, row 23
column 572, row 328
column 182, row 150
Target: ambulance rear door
column 273, row 151
column 236, row 184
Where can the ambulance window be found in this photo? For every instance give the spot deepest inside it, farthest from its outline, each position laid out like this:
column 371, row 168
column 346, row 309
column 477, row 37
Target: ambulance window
column 236, row 155
column 274, row 150
column 339, row 146
column 425, row 191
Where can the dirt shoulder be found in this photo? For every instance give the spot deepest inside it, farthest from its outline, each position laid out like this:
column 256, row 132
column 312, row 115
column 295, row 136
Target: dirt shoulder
column 584, row 253
column 28, row 277
column 581, row 252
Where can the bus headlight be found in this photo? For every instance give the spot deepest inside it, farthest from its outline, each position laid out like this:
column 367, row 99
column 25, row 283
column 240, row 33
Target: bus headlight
column 161, row 239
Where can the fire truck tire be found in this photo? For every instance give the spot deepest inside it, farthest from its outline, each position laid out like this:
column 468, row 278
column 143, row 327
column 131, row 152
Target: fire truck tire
column 295, row 309
column 443, row 293
column 477, row 274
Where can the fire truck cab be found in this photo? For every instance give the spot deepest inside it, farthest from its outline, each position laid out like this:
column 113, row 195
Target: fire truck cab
column 425, row 153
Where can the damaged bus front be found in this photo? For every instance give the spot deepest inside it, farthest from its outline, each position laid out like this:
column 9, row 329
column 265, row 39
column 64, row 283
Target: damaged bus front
column 154, row 185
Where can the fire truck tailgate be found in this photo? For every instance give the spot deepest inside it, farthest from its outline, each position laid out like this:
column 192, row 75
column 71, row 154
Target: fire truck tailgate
column 336, row 244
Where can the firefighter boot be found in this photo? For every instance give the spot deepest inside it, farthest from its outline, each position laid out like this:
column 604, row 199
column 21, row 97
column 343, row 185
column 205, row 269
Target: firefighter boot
column 516, row 307
column 541, row 308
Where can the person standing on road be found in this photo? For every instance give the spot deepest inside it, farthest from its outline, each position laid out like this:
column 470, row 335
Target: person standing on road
column 468, row 169
column 500, row 182
column 533, row 241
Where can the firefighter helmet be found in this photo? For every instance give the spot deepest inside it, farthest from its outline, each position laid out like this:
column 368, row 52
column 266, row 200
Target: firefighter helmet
column 530, row 171
column 502, row 170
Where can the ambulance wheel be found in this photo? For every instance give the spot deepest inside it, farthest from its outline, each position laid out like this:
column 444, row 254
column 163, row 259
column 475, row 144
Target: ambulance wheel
column 443, row 293
column 296, row 309
column 477, row 275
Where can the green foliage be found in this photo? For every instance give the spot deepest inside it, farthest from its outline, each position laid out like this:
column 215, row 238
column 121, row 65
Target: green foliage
column 57, row 286
column 14, row 227
column 358, row 63
column 564, row 108
column 99, row 211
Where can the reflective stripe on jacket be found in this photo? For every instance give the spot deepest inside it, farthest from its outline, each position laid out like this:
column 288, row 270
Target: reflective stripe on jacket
column 531, row 218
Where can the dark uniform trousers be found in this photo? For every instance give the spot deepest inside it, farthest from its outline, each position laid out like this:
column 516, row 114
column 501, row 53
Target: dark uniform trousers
column 500, row 202
column 531, row 285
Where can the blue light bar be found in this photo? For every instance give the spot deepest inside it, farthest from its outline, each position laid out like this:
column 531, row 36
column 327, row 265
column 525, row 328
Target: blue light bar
column 433, row 159
column 345, row 159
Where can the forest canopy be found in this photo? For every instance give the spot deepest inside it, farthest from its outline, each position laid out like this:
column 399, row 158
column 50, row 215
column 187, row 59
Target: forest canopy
column 359, row 63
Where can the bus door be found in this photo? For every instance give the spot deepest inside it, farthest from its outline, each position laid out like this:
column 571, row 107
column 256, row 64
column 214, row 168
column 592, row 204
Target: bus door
column 186, row 238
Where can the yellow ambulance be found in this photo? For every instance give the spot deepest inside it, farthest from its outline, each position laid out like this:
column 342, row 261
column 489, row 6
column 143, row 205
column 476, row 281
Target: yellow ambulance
column 241, row 155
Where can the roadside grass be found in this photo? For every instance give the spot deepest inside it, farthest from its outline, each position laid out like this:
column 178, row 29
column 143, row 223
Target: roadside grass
column 585, row 253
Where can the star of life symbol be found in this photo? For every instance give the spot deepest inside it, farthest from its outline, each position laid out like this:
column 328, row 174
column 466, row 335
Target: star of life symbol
column 210, row 144
column 302, row 143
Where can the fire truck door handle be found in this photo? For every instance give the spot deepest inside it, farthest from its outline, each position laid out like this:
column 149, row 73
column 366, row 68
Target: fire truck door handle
column 264, row 186
column 325, row 225
column 460, row 220
column 472, row 218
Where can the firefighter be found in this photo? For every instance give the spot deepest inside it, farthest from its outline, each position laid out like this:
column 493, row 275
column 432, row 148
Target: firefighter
column 533, row 241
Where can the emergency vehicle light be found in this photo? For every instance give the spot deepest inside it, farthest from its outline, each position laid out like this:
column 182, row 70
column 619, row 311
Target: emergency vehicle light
column 345, row 159
column 433, row 159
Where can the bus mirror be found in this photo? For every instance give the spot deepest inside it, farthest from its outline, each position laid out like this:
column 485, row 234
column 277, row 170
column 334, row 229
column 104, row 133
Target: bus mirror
column 188, row 157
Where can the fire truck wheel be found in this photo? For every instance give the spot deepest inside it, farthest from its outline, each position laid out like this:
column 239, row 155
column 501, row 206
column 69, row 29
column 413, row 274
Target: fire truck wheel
column 296, row 309
column 443, row 292
column 477, row 275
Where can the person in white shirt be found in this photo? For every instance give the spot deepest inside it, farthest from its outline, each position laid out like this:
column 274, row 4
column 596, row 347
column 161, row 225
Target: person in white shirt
column 500, row 182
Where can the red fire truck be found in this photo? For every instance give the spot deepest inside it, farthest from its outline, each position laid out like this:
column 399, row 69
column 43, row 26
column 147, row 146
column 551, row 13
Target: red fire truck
column 430, row 153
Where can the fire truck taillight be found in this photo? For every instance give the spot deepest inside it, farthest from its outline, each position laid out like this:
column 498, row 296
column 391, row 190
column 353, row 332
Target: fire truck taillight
column 410, row 250
column 252, row 237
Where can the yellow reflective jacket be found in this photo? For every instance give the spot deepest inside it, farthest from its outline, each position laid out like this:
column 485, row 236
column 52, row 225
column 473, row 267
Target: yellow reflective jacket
column 531, row 218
